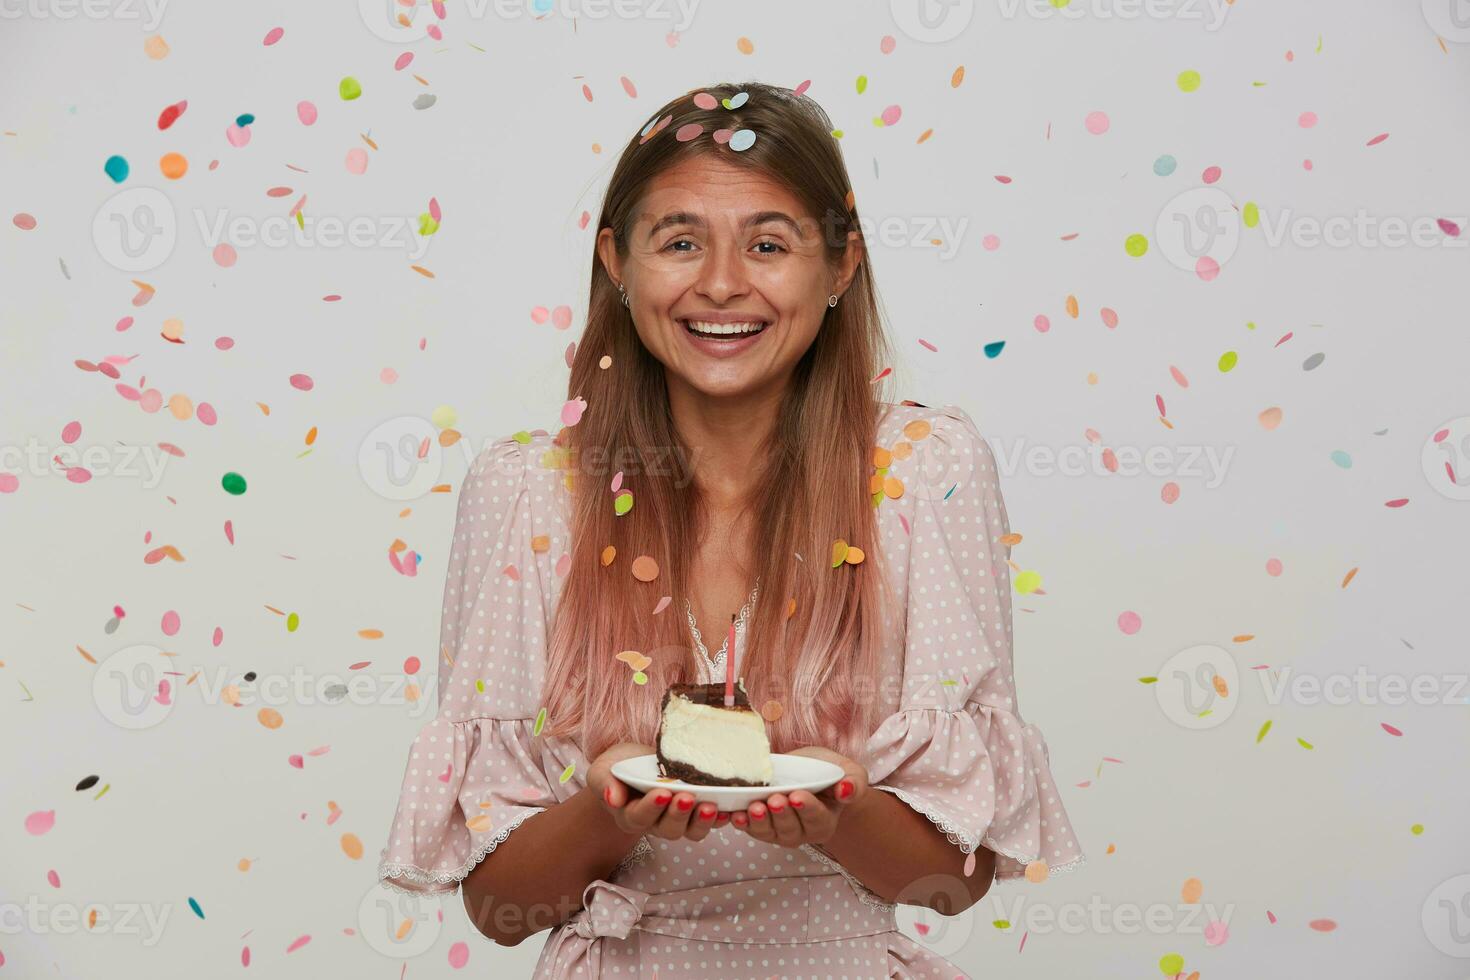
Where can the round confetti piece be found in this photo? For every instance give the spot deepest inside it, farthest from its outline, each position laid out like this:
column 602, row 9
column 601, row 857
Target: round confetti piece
column 170, row 624
column 772, row 711
column 854, row 556
column 1042, row 323
column 306, row 112
column 1130, row 622
column 302, row 382
column 1307, row 120
column 352, row 846
column 237, row 135
column 1170, row 964
column 116, row 168
column 1097, row 123
column 608, row 554
column 839, row 552
column 273, row 35
column 990, row 243
column 40, row 822
column 623, row 503
column 687, row 132
column 24, row 222
column 1136, row 245
column 1028, row 582
column 1207, row 268
column 1216, row 933
column 742, row 139
column 1417, row 829
column 173, row 165
column 640, row 678
column 225, row 255
column 357, row 161
column 891, row 115
column 1109, row 318
column 704, row 100
column 1169, row 492
column 1192, row 890
column 1211, row 175
column 917, row 429
column 1188, row 81
column 233, row 483
column 459, row 955
column 1228, row 360
column 155, row 47
column 349, row 88
column 1270, row 418
column 1036, row 871
column 645, row 569
column 270, row 718
column 1322, row 925
column 412, row 665
column 892, row 487
column 1273, row 567
column 1165, row 165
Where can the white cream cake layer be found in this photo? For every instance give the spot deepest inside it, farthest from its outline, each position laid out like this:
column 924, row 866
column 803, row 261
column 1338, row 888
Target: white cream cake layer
column 722, row 742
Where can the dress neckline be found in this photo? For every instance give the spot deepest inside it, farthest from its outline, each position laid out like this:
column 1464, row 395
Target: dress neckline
column 717, row 664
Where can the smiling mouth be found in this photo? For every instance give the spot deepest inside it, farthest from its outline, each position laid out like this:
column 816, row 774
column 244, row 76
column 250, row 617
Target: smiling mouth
column 724, row 331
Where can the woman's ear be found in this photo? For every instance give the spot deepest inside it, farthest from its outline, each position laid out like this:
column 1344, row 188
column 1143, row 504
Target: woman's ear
column 607, row 253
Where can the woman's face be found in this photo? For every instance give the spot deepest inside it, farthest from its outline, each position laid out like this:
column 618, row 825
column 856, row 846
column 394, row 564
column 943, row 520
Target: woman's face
column 717, row 246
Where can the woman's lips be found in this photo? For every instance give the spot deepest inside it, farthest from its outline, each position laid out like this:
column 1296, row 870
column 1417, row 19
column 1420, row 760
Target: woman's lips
column 722, row 346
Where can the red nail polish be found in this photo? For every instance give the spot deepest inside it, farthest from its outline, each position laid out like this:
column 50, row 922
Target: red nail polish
column 707, row 814
column 796, row 804
column 775, row 808
column 758, row 814
column 662, row 798
column 685, row 804
column 607, row 794
column 844, row 789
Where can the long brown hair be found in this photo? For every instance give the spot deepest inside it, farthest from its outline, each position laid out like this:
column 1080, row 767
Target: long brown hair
column 818, row 662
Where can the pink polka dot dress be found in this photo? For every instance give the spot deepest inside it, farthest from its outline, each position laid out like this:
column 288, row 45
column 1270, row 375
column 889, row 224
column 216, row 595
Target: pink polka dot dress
column 952, row 745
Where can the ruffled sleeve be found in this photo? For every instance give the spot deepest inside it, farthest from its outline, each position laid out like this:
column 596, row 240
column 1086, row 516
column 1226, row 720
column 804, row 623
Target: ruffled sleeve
column 477, row 770
column 957, row 750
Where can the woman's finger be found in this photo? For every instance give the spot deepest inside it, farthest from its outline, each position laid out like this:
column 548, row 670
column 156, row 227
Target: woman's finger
column 701, row 821
column 675, row 818
column 642, row 813
column 814, row 814
column 785, row 823
column 760, row 823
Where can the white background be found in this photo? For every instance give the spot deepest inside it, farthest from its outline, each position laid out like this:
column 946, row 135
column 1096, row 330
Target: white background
column 1268, row 826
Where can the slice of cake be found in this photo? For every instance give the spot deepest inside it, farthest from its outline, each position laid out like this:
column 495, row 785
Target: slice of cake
column 703, row 742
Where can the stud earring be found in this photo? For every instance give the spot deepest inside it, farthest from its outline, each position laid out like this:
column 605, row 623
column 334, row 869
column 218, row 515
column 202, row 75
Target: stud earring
column 832, row 300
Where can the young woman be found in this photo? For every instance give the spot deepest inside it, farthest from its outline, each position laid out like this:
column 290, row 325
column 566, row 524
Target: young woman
column 728, row 369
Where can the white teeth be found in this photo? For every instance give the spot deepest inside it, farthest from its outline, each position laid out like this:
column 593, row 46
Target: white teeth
column 723, row 329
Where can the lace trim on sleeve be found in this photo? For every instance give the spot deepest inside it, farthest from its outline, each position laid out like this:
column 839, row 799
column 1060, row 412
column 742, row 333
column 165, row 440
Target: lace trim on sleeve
column 418, row 875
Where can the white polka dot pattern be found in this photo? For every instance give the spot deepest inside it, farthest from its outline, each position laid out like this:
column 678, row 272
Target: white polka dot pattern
column 952, row 744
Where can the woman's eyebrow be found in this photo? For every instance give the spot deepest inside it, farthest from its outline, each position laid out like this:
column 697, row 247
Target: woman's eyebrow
column 676, row 218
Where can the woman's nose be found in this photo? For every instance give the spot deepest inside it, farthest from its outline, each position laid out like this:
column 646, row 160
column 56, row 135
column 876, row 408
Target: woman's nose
column 722, row 273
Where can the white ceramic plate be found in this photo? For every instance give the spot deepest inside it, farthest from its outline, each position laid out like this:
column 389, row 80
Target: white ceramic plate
column 788, row 772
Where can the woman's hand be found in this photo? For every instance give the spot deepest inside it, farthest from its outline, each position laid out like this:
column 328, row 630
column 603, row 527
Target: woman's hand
column 659, row 812
column 793, row 819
